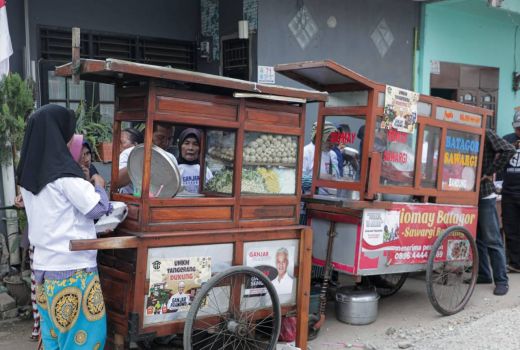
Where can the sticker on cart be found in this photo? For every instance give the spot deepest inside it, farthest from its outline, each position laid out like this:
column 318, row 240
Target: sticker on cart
column 380, row 226
column 458, row 249
column 174, row 283
column 277, row 264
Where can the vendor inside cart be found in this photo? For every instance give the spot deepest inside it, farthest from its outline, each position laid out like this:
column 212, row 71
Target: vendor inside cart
column 329, row 168
column 189, row 160
column 162, row 137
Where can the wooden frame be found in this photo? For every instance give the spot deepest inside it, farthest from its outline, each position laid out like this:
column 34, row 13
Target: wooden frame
column 146, row 93
column 324, row 75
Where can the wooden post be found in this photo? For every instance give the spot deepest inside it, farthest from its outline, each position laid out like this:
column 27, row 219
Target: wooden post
column 304, row 288
column 76, row 63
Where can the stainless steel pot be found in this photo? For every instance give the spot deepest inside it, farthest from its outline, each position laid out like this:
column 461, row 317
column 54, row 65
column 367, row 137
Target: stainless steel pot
column 356, row 306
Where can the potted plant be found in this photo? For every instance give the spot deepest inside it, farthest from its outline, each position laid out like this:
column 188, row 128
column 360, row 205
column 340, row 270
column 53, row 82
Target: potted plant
column 96, row 131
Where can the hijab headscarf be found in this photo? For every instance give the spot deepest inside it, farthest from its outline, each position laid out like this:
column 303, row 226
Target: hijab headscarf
column 183, row 136
column 45, row 156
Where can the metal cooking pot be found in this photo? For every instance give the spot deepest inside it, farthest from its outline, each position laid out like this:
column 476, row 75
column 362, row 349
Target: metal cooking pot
column 356, row 306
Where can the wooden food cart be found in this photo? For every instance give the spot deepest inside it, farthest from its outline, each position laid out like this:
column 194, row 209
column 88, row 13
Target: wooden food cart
column 244, row 213
column 406, row 197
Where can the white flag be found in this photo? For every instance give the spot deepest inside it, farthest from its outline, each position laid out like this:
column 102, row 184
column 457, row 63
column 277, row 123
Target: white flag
column 6, row 49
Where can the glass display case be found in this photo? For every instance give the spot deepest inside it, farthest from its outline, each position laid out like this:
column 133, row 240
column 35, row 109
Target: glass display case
column 269, row 163
column 220, row 158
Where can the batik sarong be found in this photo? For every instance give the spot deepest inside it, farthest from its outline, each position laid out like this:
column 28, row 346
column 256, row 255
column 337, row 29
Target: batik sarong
column 72, row 312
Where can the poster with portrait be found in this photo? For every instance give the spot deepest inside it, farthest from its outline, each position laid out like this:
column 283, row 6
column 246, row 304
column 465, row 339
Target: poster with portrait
column 276, row 259
column 400, row 109
column 174, row 283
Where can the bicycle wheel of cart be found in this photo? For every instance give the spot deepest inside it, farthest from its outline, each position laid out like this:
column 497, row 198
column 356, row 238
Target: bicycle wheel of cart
column 389, row 284
column 452, row 270
column 236, row 309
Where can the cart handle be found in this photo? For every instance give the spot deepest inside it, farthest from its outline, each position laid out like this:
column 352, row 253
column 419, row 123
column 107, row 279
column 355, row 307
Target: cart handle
column 104, row 243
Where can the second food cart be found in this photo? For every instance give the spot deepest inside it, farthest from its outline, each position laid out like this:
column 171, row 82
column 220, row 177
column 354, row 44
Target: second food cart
column 395, row 185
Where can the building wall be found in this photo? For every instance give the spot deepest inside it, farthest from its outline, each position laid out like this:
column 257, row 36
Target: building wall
column 173, row 19
column 349, row 43
column 474, row 35
column 15, row 17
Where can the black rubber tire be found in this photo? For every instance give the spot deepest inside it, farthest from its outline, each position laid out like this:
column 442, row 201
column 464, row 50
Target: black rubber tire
column 439, row 274
column 385, row 286
column 216, row 280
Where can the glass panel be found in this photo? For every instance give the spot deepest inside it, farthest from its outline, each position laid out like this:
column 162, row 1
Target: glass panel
column 430, row 156
column 460, row 161
column 424, row 109
column 106, row 92
column 220, row 157
column 341, row 147
column 398, row 158
column 381, row 99
column 128, row 140
column 350, row 98
column 107, row 111
column 269, row 163
column 76, row 91
column 74, row 105
column 57, row 87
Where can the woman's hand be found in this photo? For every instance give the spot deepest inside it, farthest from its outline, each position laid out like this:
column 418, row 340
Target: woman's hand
column 18, row 201
column 97, row 180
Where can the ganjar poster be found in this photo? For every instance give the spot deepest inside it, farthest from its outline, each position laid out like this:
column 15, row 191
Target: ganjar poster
column 277, row 263
column 174, row 283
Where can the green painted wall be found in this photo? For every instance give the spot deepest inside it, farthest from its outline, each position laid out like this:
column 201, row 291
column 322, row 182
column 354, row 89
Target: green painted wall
column 469, row 32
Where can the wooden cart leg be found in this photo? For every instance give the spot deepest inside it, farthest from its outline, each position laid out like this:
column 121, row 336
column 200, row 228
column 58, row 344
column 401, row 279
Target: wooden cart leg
column 304, row 289
column 119, row 342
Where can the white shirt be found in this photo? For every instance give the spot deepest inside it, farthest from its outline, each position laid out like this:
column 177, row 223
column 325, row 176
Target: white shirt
column 190, row 175
column 123, row 163
column 56, row 215
column 284, row 285
column 178, row 300
column 326, row 159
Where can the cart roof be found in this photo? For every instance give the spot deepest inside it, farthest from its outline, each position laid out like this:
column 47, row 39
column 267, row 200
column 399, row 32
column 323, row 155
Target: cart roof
column 325, row 75
column 114, row 70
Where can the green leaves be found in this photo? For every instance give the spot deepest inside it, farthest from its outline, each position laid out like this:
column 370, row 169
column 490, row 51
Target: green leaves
column 16, row 103
column 89, row 123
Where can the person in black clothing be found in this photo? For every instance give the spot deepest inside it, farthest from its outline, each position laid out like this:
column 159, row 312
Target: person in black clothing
column 511, row 199
column 497, row 153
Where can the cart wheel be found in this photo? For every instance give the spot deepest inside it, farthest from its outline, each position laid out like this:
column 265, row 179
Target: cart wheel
column 452, row 270
column 223, row 317
column 387, row 285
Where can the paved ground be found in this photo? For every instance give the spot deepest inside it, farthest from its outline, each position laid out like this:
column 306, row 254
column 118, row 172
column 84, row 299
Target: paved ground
column 406, row 319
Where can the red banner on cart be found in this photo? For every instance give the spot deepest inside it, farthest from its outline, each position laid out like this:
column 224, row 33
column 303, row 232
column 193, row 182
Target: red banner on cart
column 406, row 233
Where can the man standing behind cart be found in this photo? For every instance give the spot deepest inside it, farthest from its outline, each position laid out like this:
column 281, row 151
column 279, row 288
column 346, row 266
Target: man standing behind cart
column 497, row 153
column 511, row 199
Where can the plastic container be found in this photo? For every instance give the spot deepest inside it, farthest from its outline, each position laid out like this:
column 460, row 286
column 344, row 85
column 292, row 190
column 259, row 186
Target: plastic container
column 17, row 288
column 356, row 306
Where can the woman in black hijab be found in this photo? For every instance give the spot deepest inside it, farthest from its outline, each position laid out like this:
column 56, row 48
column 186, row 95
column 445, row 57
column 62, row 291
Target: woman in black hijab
column 189, row 154
column 61, row 206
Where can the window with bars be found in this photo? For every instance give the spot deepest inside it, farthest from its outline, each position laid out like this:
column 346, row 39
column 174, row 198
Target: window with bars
column 235, row 58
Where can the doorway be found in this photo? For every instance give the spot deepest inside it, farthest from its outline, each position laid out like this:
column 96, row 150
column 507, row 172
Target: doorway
column 472, row 85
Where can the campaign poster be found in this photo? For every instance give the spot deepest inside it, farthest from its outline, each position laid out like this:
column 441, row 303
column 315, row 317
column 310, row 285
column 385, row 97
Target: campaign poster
column 276, row 261
column 406, row 233
column 174, row 283
column 400, row 111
